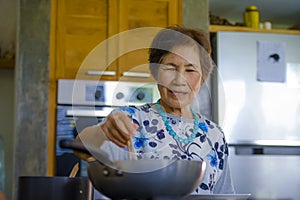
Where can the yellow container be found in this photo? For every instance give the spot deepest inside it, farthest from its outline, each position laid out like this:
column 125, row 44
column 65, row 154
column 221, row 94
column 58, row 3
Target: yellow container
column 251, row 17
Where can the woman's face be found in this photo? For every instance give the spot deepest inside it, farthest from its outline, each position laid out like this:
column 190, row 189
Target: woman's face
column 179, row 76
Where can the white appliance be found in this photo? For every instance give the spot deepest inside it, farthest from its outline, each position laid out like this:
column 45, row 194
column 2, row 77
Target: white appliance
column 257, row 87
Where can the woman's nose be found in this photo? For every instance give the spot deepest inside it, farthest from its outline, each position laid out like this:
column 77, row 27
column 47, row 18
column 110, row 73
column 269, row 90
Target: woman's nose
column 179, row 78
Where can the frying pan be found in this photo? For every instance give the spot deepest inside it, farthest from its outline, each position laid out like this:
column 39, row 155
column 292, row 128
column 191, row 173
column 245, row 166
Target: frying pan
column 134, row 179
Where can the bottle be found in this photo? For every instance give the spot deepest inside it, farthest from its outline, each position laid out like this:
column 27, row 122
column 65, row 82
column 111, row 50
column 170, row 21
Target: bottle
column 251, row 17
column 267, row 25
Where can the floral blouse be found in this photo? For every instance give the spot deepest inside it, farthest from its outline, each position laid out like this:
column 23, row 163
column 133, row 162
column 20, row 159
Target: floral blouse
column 153, row 141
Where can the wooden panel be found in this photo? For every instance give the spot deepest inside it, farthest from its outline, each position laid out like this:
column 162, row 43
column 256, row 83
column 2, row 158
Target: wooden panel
column 51, row 157
column 137, row 62
column 139, row 14
column 175, row 12
column 81, row 26
column 85, row 8
column 148, row 13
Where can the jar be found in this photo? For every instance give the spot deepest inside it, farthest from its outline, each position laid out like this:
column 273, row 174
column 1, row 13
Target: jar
column 251, row 17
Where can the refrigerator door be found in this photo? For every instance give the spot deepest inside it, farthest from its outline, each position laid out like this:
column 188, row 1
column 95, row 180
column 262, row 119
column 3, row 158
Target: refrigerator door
column 258, row 108
column 251, row 109
column 266, row 177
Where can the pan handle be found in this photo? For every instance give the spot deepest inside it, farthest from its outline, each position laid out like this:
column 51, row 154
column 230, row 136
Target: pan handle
column 89, row 149
column 74, row 145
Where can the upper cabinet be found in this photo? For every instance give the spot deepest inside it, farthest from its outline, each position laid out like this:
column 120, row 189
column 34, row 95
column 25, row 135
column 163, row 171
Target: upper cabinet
column 80, row 26
column 99, row 39
column 132, row 49
column 147, row 13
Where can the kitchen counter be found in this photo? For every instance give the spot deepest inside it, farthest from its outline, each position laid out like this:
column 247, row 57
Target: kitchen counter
column 200, row 197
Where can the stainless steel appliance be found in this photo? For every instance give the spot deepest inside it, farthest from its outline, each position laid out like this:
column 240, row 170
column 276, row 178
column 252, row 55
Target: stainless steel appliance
column 258, row 106
column 81, row 103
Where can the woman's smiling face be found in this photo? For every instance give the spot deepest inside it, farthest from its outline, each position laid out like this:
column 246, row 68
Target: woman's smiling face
column 179, row 76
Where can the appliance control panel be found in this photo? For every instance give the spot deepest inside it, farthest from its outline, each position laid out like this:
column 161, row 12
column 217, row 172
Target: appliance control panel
column 130, row 94
column 108, row 93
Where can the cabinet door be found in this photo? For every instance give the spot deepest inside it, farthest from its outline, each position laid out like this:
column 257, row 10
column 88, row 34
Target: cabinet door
column 81, row 26
column 133, row 62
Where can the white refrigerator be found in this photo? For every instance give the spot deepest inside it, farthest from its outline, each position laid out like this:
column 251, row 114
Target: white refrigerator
column 256, row 90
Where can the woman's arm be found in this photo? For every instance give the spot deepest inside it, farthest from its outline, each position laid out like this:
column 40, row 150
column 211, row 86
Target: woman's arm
column 91, row 135
column 117, row 128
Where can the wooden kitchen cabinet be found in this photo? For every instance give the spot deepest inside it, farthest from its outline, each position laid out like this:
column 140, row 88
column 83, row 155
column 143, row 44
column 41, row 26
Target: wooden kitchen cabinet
column 83, row 25
column 79, row 26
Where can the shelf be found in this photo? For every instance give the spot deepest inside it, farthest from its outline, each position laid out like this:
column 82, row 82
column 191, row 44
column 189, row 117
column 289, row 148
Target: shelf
column 216, row 28
column 5, row 63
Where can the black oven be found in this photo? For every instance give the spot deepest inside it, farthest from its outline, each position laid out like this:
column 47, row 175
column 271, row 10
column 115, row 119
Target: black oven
column 69, row 122
column 82, row 103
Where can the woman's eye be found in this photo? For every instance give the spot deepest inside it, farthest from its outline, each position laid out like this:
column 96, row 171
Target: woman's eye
column 169, row 68
column 190, row 70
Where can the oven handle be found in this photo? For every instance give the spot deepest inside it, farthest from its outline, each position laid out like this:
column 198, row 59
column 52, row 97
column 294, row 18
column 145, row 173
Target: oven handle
column 88, row 113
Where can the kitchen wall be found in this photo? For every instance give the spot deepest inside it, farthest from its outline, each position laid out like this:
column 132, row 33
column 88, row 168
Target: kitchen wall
column 32, row 87
column 8, row 16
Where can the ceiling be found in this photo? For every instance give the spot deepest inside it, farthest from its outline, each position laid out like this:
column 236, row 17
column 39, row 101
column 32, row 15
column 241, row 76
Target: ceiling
column 281, row 13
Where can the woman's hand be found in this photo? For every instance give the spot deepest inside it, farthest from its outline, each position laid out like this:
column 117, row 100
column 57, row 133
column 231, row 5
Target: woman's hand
column 118, row 128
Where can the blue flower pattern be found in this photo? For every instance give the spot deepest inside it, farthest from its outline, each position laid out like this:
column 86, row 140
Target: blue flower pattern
column 130, row 109
column 153, row 134
column 212, row 157
column 203, row 127
column 139, row 142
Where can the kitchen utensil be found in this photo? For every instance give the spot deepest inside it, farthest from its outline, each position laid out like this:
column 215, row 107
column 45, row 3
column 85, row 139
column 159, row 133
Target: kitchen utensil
column 136, row 179
column 131, row 150
column 74, row 170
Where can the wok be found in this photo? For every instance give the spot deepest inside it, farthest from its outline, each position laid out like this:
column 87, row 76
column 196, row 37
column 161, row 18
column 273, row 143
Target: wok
column 140, row 179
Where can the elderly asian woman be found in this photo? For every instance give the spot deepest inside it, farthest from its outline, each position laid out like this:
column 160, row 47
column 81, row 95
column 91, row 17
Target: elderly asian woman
column 170, row 128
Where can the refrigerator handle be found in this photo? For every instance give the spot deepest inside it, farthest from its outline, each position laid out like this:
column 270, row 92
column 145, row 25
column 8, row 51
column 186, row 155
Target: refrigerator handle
column 266, row 150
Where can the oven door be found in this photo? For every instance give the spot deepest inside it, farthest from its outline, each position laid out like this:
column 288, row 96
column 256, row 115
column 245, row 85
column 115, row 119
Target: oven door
column 70, row 121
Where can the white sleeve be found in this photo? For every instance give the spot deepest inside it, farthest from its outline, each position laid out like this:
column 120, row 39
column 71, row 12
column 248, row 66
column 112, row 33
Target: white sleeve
column 224, row 185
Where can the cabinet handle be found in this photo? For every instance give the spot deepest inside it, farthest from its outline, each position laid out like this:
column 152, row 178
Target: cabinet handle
column 136, row 74
column 100, row 73
column 88, row 113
